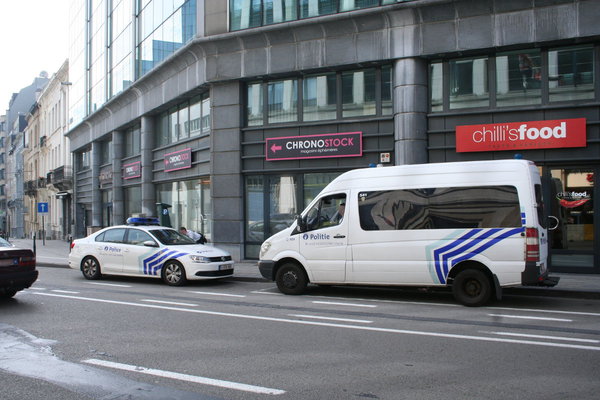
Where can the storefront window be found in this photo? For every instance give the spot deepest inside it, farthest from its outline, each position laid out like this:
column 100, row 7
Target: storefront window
column 187, row 204
column 314, row 183
column 255, row 226
column 571, row 74
column 469, row 83
column 254, row 100
column 572, row 242
column 320, row 99
column 132, row 141
column 358, row 93
column 282, row 203
column 386, row 90
column 283, row 101
column 107, row 207
column 518, row 78
column 436, row 84
column 133, row 200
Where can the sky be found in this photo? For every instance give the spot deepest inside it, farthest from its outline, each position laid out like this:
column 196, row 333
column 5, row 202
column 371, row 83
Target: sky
column 33, row 38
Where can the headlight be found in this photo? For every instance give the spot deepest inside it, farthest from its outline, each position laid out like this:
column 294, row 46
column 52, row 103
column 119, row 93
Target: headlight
column 199, row 259
column 264, row 248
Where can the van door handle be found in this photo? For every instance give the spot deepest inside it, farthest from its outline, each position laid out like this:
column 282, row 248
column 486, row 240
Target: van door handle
column 339, row 236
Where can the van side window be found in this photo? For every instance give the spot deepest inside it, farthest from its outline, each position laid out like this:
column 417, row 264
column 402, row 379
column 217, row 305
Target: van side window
column 440, row 208
column 329, row 211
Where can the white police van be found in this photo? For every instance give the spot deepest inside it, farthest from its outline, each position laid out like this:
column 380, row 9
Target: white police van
column 143, row 248
column 475, row 226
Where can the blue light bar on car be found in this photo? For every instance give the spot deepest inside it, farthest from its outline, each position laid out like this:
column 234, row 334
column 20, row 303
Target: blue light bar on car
column 142, row 221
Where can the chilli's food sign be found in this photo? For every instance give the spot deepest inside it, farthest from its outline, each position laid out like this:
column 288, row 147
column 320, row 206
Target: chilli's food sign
column 530, row 135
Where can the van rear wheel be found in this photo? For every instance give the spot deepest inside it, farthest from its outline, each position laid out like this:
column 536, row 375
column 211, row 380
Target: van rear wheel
column 291, row 279
column 472, row 288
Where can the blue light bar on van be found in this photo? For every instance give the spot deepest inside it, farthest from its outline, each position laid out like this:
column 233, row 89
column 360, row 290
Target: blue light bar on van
column 142, row 221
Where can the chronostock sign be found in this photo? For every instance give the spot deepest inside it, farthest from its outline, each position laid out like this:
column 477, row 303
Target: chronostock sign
column 347, row 144
column 180, row 159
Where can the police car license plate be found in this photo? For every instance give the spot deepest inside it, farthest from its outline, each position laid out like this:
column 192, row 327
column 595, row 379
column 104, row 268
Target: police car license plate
column 225, row 267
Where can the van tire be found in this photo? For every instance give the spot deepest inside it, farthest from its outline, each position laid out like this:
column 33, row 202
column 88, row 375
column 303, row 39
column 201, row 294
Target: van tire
column 291, row 279
column 472, row 288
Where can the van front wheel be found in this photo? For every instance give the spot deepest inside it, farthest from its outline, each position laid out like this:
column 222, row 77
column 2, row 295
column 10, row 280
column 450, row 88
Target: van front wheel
column 472, row 288
column 291, row 279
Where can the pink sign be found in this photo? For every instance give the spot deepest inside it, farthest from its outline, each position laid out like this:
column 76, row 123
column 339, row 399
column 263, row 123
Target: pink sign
column 347, row 144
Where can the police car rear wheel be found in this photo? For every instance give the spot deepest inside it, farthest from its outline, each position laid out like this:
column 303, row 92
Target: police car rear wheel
column 90, row 267
column 291, row 279
column 174, row 274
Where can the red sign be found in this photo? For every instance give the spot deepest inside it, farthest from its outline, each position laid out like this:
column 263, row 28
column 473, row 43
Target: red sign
column 347, row 144
column 530, row 135
column 133, row 170
column 177, row 160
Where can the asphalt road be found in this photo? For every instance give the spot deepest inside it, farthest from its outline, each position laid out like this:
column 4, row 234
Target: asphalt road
column 68, row 338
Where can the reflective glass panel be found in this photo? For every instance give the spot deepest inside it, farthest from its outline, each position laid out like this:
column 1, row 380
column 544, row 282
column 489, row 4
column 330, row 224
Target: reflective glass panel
column 254, row 101
column 518, row 78
column 280, row 11
column 358, row 93
column 469, row 83
column 283, row 101
column 571, row 74
column 314, row 8
column 319, row 97
column 436, row 79
column 244, row 14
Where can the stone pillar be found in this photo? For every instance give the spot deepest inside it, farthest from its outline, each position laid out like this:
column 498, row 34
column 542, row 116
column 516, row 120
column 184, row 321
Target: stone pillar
column 147, row 145
column 96, row 196
column 410, row 111
column 118, row 144
column 226, row 178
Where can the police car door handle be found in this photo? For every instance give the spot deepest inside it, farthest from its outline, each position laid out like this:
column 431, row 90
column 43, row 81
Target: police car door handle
column 339, row 236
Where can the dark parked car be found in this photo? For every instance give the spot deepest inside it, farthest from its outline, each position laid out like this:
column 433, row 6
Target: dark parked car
column 17, row 269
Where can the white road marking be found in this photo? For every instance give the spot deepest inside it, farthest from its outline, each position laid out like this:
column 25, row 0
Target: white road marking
column 530, row 317
column 64, row 291
column 217, row 294
column 359, row 321
column 107, row 284
column 326, row 324
column 334, row 303
column 37, row 288
column 568, row 339
column 185, row 377
column 173, row 303
column 548, row 311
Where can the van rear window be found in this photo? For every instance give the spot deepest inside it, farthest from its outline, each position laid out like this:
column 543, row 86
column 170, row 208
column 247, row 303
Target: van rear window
column 440, row 208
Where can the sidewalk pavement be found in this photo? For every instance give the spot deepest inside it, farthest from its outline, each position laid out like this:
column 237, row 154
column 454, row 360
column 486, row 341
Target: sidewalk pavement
column 56, row 252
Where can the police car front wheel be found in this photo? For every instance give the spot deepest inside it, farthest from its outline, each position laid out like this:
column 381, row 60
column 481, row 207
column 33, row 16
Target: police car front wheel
column 174, row 274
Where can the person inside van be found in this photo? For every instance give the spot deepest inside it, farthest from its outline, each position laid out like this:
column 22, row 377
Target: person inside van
column 339, row 215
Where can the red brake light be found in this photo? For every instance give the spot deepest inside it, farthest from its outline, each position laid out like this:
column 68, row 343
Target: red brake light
column 71, row 246
column 25, row 261
column 532, row 245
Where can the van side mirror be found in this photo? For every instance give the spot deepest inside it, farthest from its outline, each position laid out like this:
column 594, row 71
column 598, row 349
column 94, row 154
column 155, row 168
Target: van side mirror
column 300, row 224
column 552, row 222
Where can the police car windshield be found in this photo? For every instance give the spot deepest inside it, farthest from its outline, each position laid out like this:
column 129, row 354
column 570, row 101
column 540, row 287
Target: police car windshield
column 171, row 237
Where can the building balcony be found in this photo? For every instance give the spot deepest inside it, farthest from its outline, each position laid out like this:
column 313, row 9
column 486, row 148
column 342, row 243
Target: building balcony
column 62, row 178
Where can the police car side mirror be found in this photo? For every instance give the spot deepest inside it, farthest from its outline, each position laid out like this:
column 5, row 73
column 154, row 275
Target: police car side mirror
column 150, row 243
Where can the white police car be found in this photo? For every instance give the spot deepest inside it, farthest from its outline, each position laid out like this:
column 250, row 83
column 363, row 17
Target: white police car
column 143, row 248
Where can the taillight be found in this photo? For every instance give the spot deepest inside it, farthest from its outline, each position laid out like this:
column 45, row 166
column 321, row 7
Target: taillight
column 532, row 245
column 25, row 261
column 71, row 246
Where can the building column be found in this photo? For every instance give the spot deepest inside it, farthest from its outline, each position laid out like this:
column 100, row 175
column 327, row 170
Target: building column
column 96, row 195
column 118, row 210
column 410, row 111
column 147, row 145
column 226, row 178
